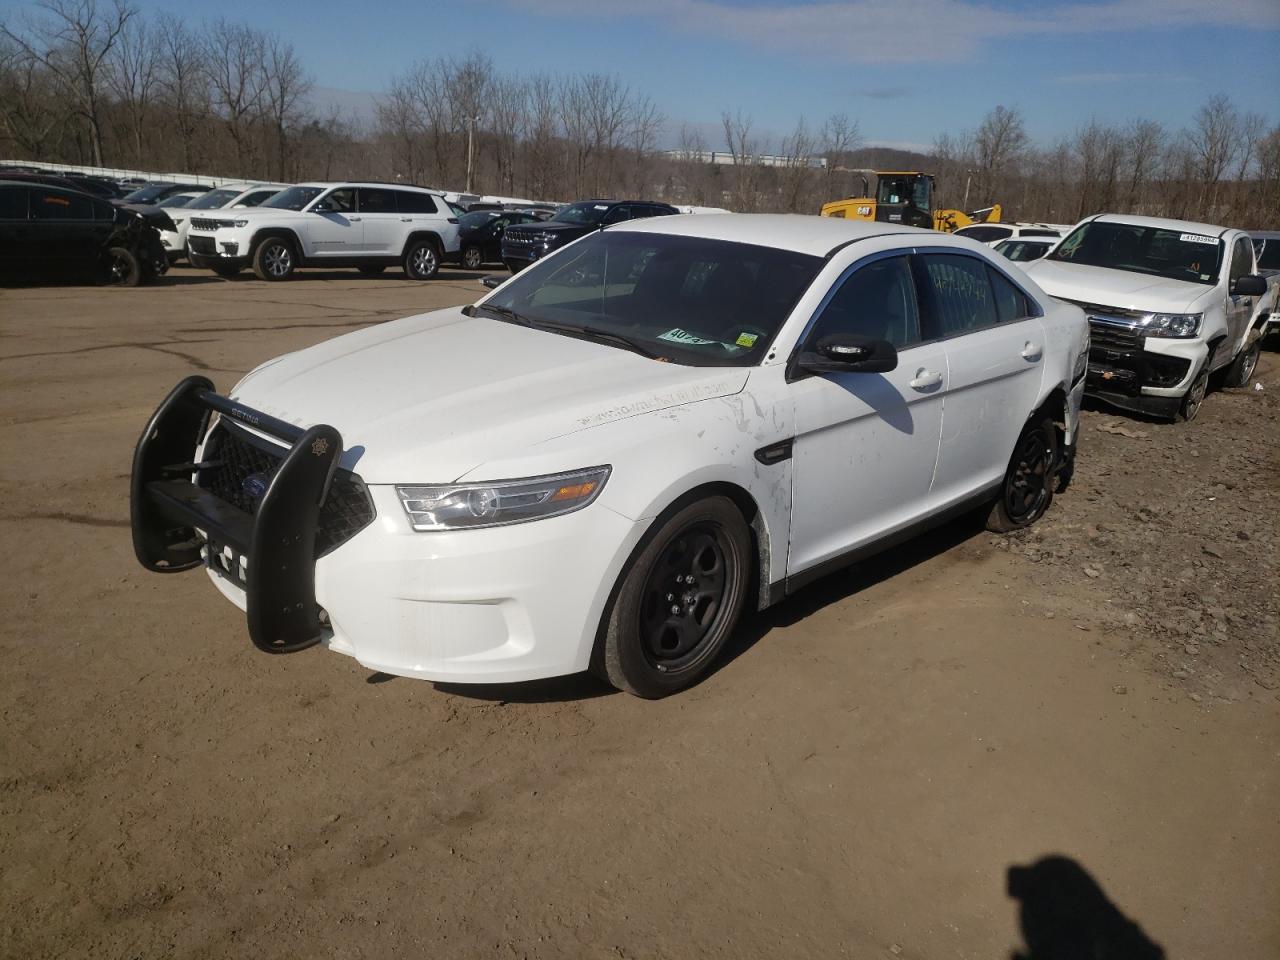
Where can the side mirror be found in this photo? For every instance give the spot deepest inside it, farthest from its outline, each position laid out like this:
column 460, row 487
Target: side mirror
column 1248, row 286
column 849, row 353
column 322, row 207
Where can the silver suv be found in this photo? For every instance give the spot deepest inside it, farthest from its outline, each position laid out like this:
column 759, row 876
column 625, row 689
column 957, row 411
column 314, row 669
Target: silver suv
column 367, row 225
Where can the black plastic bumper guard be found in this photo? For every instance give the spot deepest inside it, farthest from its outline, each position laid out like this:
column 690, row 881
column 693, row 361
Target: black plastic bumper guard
column 277, row 542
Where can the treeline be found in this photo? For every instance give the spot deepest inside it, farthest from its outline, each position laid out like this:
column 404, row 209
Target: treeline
column 84, row 82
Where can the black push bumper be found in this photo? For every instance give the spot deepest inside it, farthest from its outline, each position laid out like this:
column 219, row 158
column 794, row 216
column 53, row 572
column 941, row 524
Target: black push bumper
column 273, row 548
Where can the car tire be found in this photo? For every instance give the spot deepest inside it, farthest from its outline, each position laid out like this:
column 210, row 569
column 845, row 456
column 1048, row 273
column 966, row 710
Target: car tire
column 372, row 269
column 1027, row 489
column 472, row 258
column 421, row 260
column 226, row 272
column 274, row 259
column 1193, row 399
column 123, row 269
column 1246, row 361
column 678, row 601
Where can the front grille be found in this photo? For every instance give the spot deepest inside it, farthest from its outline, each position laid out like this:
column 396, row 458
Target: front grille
column 204, row 223
column 520, row 239
column 241, row 467
column 202, row 244
column 1109, row 336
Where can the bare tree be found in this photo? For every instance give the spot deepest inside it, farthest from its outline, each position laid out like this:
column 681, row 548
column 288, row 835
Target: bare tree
column 30, row 108
column 508, row 102
column 1143, row 144
column 1214, row 142
column 73, row 40
column 646, row 123
column 235, row 53
column 840, row 136
column 134, row 79
column 285, row 85
column 744, row 151
column 183, row 81
column 1001, row 138
column 797, row 171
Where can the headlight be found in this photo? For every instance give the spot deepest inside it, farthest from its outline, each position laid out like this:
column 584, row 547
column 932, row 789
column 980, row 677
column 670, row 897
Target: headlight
column 468, row 505
column 177, row 221
column 239, row 223
column 1172, row 324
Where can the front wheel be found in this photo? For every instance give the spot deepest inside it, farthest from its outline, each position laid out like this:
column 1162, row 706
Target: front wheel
column 273, row 260
column 123, row 269
column 1193, row 399
column 472, row 258
column 1028, row 484
column 678, row 601
column 421, row 261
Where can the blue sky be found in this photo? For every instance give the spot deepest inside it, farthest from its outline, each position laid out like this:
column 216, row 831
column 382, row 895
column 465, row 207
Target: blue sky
column 906, row 69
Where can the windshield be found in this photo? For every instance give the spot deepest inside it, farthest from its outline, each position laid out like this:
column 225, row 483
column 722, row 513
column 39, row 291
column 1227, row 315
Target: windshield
column 583, row 213
column 147, row 194
column 903, row 189
column 213, row 200
column 688, row 300
column 475, row 220
column 175, row 201
column 1173, row 254
column 295, row 198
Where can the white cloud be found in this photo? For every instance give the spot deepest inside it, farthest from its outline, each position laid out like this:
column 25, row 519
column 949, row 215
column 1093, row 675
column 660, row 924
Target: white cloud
column 873, row 31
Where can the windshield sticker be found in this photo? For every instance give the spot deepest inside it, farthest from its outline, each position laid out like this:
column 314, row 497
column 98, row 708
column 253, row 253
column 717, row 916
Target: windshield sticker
column 601, row 206
column 1196, row 238
column 681, row 336
column 747, row 340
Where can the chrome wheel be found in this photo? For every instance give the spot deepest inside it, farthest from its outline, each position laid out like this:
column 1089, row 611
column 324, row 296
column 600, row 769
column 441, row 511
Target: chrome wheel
column 422, row 261
column 472, row 259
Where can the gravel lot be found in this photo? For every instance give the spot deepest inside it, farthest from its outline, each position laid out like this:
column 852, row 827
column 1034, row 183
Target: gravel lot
column 855, row 780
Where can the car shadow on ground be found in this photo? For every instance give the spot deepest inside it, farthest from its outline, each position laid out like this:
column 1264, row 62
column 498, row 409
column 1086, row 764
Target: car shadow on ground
column 1064, row 915
column 753, row 626
column 390, row 274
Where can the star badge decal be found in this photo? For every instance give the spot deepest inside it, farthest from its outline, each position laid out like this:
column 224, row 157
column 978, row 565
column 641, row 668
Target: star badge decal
column 320, row 447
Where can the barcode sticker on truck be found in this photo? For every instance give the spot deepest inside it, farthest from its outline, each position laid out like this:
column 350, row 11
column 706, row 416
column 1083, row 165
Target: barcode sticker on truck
column 1196, row 238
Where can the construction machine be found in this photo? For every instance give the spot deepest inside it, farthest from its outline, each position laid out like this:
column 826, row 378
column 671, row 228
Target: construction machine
column 906, row 196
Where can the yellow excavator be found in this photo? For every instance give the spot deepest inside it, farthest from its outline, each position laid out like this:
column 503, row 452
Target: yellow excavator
column 906, row 196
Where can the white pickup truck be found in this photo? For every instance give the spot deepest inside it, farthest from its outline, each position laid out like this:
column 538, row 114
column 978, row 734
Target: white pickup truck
column 1169, row 302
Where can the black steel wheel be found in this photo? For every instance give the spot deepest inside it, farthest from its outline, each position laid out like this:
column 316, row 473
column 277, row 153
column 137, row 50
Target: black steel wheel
column 1030, row 479
column 678, row 601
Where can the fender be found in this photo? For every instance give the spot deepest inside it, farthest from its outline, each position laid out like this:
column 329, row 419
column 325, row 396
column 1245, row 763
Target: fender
column 267, row 233
column 423, row 235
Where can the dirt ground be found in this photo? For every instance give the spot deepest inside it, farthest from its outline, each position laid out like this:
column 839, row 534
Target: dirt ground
column 855, row 779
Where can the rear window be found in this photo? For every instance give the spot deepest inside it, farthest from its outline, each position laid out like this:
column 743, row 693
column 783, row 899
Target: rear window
column 985, row 234
column 13, row 203
column 1269, row 256
column 1037, row 232
column 411, row 201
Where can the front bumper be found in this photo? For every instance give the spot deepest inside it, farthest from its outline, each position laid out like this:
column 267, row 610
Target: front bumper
column 493, row 605
column 1144, row 374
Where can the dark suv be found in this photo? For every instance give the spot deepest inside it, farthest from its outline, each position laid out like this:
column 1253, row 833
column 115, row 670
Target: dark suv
column 521, row 245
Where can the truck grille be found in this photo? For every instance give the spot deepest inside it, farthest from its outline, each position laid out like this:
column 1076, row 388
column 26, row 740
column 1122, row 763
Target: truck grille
column 241, row 467
column 516, row 239
column 1109, row 336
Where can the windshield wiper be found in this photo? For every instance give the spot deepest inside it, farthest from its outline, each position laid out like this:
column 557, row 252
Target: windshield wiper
column 504, row 313
column 589, row 332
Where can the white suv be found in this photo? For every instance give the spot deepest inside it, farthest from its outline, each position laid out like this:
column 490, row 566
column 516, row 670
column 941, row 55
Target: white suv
column 229, row 196
column 622, row 450
column 366, row 225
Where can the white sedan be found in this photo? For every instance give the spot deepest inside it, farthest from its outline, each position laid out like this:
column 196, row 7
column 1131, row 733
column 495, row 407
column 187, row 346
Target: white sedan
column 611, row 459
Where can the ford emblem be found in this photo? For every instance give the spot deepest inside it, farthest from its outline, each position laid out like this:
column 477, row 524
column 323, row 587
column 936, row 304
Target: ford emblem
column 254, row 486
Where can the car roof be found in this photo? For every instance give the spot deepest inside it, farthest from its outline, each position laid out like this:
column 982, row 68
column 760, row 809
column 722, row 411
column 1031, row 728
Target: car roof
column 818, row 236
column 325, row 184
column 1165, row 223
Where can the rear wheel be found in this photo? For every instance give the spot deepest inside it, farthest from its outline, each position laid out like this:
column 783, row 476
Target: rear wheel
column 678, row 602
column 1241, row 369
column 472, row 258
column 421, row 260
column 274, row 259
column 1029, row 480
column 123, row 269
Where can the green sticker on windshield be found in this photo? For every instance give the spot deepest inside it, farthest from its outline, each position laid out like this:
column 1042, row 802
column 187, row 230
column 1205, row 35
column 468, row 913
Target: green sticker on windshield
column 747, row 340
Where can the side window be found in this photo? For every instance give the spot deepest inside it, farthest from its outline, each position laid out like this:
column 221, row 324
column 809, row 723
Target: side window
column 13, row 203
column 103, row 211
column 410, row 201
column 376, row 201
column 1241, row 258
column 1011, row 303
column 53, row 205
column 960, row 293
column 340, row 201
column 617, row 215
column 253, row 199
column 877, row 301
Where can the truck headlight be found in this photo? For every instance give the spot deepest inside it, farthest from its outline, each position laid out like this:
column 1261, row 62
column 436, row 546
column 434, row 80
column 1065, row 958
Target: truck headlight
column 1172, row 324
column 469, row 505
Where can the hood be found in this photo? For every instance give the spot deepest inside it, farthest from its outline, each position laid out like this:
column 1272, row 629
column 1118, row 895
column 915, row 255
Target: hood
column 158, row 217
column 1115, row 288
column 430, row 398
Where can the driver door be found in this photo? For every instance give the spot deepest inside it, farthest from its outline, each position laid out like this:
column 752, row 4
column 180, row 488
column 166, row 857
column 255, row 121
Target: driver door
column 866, row 444
column 333, row 227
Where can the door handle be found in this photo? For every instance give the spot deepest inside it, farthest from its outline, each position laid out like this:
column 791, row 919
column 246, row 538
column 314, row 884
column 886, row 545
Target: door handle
column 1031, row 351
column 354, row 219
column 925, row 380
column 406, row 219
